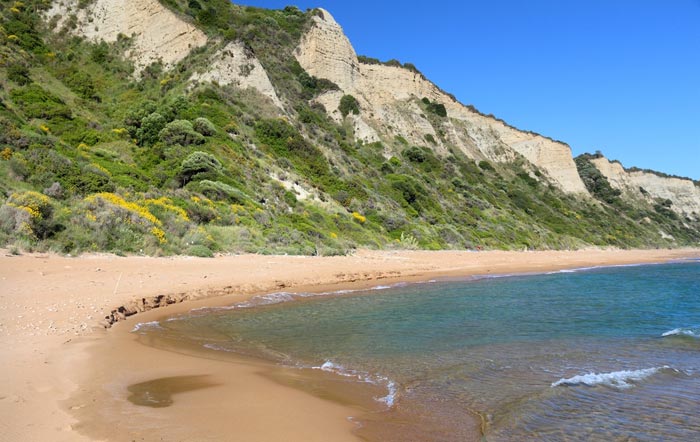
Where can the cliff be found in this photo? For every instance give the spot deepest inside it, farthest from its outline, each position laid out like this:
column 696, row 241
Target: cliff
column 388, row 96
column 684, row 194
column 157, row 33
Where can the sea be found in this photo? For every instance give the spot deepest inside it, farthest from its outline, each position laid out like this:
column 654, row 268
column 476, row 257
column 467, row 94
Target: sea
column 590, row 354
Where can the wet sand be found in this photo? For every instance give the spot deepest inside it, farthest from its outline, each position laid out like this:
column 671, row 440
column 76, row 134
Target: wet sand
column 65, row 378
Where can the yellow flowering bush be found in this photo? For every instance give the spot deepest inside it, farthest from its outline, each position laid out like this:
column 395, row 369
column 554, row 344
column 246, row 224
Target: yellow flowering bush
column 359, row 218
column 131, row 213
column 36, row 204
column 167, row 204
column 6, row 154
column 138, row 211
column 27, row 213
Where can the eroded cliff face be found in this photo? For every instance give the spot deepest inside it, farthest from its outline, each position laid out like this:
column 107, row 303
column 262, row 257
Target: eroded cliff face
column 683, row 194
column 156, row 32
column 389, row 98
column 234, row 64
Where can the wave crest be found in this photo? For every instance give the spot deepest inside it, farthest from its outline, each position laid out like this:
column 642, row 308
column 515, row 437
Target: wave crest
column 617, row 379
column 693, row 332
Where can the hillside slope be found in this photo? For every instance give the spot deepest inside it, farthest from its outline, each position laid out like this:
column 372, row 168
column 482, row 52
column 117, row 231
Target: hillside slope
column 198, row 127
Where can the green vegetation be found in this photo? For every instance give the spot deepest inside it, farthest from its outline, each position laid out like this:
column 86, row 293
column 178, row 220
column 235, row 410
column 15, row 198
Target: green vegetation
column 349, row 105
column 595, row 182
column 434, row 107
column 95, row 159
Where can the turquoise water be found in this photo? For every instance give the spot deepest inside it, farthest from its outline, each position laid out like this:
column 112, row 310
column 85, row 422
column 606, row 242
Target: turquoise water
column 596, row 354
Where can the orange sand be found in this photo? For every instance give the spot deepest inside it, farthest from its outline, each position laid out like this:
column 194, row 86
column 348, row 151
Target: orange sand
column 63, row 377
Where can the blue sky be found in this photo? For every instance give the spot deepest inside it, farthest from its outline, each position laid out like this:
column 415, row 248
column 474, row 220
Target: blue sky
column 619, row 76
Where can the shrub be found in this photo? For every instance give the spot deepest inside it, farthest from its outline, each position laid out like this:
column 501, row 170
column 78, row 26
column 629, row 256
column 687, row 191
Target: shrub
column 204, row 127
column 19, row 73
column 359, row 218
column 27, row 213
column 199, row 162
column 434, row 107
column 595, row 181
column 81, row 83
column 485, row 165
column 199, row 251
column 180, row 132
column 109, row 213
column 219, row 191
column 415, row 154
column 150, row 128
column 36, row 102
column 349, row 104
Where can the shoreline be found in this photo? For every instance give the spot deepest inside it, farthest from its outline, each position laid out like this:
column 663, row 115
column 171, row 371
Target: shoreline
column 53, row 344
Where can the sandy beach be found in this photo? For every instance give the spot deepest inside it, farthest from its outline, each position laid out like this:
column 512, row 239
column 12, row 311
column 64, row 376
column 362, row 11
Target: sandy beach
column 65, row 377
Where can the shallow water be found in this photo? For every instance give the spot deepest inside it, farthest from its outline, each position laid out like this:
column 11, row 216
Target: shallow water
column 600, row 354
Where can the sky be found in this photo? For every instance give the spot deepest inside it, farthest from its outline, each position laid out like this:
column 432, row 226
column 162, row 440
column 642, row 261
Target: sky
column 619, row 76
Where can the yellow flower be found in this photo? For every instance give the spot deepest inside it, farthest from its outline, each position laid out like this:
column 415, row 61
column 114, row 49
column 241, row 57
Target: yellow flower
column 6, row 154
column 140, row 211
column 334, row 235
column 159, row 234
column 359, row 218
column 34, row 203
column 167, row 204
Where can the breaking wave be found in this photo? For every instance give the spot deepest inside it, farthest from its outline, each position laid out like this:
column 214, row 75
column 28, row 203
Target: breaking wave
column 693, row 332
column 616, row 379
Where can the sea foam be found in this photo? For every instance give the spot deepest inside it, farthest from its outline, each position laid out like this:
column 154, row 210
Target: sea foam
column 617, row 379
column 693, row 332
column 144, row 325
column 391, row 386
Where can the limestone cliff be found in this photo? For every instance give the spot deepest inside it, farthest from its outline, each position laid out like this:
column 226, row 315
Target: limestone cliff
column 388, row 97
column 157, row 33
column 683, row 193
column 236, row 65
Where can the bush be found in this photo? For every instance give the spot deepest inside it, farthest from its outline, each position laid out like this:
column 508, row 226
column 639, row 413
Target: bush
column 349, row 104
column 36, row 102
column 199, row 162
column 217, row 190
column 18, row 73
column 199, row 251
column 435, row 107
column 81, row 83
column 150, row 128
column 595, row 181
column 27, row 213
column 486, row 166
column 180, row 132
column 415, row 154
column 204, row 127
